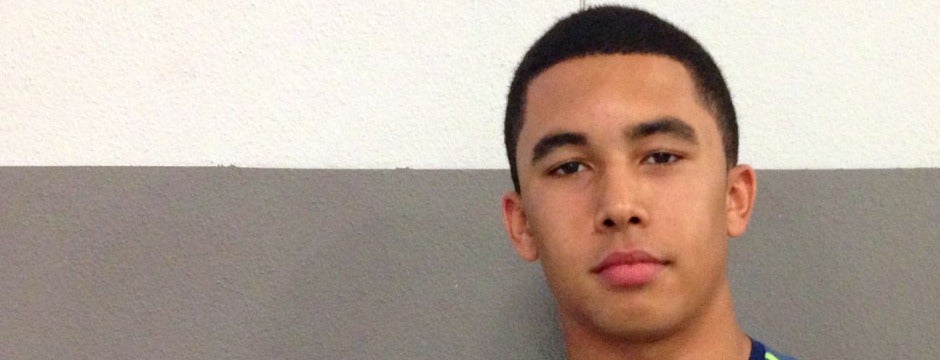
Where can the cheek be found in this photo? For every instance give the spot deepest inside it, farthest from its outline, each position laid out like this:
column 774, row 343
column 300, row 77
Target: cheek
column 692, row 224
column 561, row 223
column 695, row 207
column 555, row 209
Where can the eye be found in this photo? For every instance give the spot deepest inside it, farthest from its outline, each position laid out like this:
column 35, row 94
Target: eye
column 661, row 158
column 568, row 168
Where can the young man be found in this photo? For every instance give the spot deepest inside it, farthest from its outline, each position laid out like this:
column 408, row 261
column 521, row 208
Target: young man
column 622, row 143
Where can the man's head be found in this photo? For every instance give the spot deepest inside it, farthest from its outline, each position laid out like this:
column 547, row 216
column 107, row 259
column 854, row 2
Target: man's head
column 617, row 30
column 622, row 139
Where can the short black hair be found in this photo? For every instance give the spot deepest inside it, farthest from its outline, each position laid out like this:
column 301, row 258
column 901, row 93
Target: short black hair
column 607, row 30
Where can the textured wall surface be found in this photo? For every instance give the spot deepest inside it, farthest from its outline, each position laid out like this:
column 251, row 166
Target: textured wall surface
column 227, row 263
column 421, row 84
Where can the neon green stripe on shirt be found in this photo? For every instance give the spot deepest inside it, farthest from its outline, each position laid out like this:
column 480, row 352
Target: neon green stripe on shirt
column 769, row 356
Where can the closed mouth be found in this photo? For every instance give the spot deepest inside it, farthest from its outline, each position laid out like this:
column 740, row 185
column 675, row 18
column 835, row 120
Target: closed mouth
column 627, row 258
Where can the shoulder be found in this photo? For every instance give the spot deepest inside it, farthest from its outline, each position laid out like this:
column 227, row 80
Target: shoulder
column 759, row 351
column 774, row 355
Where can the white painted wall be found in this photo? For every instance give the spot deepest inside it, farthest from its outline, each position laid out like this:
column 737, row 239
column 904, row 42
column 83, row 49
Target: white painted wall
column 356, row 84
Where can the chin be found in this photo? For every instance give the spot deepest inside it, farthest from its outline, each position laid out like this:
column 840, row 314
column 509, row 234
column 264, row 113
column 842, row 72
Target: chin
column 634, row 324
column 634, row 333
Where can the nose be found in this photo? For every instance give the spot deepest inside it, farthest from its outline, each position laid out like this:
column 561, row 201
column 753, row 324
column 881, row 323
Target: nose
column 619, row 199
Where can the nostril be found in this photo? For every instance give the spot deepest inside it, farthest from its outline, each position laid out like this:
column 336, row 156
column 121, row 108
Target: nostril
column 634, row 220
column 609, row 223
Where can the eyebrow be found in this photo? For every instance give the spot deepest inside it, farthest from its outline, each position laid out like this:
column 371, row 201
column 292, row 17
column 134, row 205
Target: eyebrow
column 665, row 125
column 551, row 142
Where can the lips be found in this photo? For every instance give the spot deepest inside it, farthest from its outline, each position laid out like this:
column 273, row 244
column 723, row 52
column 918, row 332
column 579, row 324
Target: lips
column 629, row 269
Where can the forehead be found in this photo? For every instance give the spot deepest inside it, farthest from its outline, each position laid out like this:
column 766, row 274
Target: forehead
column 600, row 91
column 640, row 79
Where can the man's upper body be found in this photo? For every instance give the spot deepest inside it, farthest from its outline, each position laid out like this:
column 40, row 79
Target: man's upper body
column 622, row 143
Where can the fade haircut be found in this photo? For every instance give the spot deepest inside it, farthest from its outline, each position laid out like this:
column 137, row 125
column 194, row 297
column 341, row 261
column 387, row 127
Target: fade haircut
column 609, row 30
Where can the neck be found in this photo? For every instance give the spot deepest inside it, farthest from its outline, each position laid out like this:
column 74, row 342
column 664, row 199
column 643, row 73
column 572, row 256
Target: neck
column 713, row 333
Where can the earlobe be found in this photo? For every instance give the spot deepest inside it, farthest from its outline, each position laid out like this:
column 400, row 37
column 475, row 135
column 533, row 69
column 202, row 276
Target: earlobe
column 517, row 225
column 742, row 190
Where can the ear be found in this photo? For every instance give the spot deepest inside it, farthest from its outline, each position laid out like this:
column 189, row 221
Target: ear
column 742, row 190
column 517, row 225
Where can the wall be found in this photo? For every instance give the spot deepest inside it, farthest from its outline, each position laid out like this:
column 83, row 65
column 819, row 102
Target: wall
column 312, row 259
column 358, row 84
column 213, row 263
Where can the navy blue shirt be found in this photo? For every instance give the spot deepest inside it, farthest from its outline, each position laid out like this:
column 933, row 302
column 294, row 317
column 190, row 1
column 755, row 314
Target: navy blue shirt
column 761, row 352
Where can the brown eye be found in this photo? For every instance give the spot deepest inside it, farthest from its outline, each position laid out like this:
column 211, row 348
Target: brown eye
column 661, row 158
column 568, row 168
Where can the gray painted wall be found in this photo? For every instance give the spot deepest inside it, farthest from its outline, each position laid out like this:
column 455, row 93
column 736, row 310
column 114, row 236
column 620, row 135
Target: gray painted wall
column 209, row 263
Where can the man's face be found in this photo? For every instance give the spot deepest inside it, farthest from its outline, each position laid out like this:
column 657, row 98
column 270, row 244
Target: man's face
column 625, row 194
